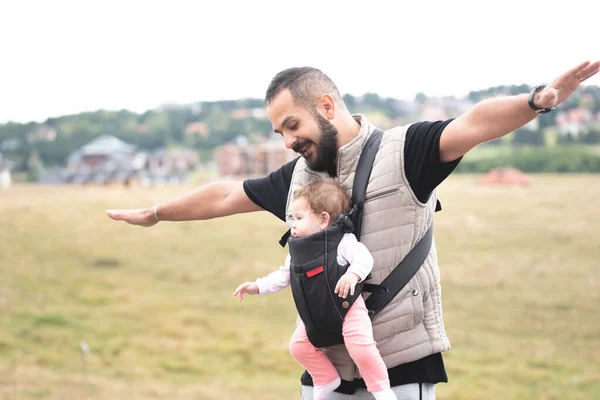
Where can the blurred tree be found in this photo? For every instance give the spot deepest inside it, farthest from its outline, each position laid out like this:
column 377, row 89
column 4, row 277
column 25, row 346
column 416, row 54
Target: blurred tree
column 351, row 102
column 420, row 98
column 525, row 136
column 371, row 101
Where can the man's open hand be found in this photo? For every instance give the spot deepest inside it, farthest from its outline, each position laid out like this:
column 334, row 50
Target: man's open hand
column 565, row 85
column 141, row 216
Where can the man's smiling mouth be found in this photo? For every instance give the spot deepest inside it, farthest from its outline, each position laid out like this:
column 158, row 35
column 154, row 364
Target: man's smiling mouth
column 302, row 151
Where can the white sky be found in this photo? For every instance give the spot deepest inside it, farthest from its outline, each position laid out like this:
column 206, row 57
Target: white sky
column 63, row 57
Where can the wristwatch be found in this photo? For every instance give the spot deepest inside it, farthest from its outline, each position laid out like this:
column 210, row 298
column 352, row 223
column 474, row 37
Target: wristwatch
column 532, row 104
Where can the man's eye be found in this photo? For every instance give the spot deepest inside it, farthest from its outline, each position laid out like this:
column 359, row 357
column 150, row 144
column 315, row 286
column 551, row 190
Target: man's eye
column 293, row 127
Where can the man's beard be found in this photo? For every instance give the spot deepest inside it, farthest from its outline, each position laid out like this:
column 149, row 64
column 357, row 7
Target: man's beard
column 325, row 155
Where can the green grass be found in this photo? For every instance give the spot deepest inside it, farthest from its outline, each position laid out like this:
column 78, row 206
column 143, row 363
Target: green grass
column 505, row 149
column 520, row 277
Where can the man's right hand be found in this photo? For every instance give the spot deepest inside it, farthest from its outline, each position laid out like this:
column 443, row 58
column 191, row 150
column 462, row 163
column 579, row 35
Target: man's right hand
column 214, row 200
column 141, row 216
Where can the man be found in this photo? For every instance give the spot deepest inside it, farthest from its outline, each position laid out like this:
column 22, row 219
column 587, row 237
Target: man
column 306, row 108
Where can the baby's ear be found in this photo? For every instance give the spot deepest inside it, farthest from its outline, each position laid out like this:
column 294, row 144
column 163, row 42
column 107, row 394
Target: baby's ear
column 325, row 219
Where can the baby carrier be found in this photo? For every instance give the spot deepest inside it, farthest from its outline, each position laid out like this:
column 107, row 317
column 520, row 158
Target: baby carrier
column 314, row 271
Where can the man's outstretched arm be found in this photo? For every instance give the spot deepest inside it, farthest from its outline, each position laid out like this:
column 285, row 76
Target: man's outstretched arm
column 494, row 118
column 211, row 201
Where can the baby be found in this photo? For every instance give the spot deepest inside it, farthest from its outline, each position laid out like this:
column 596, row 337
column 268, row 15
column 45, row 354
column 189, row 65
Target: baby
column 315, row 208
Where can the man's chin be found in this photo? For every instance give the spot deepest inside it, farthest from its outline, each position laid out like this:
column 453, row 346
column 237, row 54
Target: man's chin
column 310, row 161
column 313, row 164
column 317, row 168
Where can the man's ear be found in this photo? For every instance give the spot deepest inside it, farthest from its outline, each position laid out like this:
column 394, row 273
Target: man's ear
column 325, row 220
column 327, row 106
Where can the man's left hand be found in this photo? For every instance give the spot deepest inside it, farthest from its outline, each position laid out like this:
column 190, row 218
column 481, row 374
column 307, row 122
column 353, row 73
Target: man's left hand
column 565, row 85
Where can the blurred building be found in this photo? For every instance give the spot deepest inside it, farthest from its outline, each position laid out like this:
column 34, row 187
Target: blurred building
column 5, row 172
column 241, row 160
column 573, row 121
column 41, row 134
column 108, row 160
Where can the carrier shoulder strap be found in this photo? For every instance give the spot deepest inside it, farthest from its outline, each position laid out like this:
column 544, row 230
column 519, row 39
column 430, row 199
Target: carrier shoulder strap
column 383, row 293
column 400, row 275
column 361, row 178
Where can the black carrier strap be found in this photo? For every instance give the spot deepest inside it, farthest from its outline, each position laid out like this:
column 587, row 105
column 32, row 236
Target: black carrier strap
column 361, row 178
column 382, row 294
column 400, row 275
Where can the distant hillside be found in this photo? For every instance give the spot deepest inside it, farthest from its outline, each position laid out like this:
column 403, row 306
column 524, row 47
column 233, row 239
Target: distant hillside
column 203, row 126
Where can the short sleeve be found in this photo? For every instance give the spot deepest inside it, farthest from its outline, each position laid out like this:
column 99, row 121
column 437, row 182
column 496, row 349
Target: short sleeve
column 270, row 192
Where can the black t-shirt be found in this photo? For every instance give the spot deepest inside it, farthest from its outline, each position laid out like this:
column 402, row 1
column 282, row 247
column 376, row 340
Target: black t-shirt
column 424, row 172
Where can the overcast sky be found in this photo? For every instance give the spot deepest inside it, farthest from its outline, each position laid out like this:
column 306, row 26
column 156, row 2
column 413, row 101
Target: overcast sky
column 64, row 57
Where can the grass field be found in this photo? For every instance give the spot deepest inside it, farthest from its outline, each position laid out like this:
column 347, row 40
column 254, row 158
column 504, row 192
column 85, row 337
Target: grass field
column 520, row 273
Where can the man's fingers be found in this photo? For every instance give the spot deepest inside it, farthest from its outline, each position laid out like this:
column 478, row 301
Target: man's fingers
column 134, row 217
column 589, row 71
column 337, row 287
column 120, row 213
column 113, row 214
column 583, row 71
column 576, row 70
column 352, row 290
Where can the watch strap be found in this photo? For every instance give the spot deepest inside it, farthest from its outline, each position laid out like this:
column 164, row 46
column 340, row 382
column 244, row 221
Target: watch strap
column 532, row 104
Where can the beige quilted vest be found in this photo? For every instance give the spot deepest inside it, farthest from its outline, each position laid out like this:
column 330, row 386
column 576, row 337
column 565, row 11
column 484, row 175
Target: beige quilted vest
column 394, row 220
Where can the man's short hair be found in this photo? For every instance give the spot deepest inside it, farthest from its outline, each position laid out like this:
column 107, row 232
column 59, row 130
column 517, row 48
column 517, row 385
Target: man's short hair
column 307, row 85
column 329, row 196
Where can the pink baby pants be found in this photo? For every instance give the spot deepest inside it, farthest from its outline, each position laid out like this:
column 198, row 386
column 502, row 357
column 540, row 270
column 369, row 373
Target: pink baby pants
column 358, row 338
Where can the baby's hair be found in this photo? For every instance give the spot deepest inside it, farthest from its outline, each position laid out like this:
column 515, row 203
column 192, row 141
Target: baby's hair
column 327, row 196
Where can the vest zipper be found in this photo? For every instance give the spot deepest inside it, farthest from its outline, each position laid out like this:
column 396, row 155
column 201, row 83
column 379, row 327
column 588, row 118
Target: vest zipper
column 382, row 193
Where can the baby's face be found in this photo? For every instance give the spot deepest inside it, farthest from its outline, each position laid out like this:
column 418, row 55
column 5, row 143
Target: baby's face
column 306, row 222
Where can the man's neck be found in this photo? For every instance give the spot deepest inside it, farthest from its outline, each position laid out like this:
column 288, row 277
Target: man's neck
column 348, row 129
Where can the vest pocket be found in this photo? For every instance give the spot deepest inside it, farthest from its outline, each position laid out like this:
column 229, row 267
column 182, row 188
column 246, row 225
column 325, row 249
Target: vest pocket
column 417, row 294
column 377, row 194
column 406, row 310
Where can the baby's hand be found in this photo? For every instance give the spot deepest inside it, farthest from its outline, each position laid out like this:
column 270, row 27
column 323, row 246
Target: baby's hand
column 346, row 284
column 246, row 287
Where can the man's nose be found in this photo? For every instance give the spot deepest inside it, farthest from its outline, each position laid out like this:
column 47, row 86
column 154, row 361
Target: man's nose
column 289, row 140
